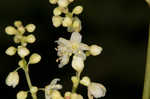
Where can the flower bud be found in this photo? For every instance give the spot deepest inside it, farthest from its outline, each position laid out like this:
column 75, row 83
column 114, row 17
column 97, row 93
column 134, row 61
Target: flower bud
column 77, row 10
column 11, row 51
column 75, row 81
column 30, row 27
column 57, row 21
column 53, row 1
column 77, row 63
column 67, row 95
column 22, row 63
column 63, row 3
column 30, row 38
column 22, row 95
column 23, row 51
column 95, row 50
column 76, row 25
column 67, row 21
column 10, row 30
column 34, row 89
column 18, row 23
column 34, row 58
column 12, row 79
column 85, row 81
column 57, row 11
column 97, row 90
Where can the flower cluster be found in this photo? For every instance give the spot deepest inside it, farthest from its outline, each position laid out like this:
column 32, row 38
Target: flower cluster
column 22, row 39
column 70, row 20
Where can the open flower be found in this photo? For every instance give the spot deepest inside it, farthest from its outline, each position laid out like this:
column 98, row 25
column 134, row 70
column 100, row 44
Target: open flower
column 68, row 47
column 51, row 87
column 96, row 90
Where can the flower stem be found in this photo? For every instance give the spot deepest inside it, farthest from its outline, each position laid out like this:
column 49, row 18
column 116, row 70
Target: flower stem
column 34, row 96
column 75, row 87
column 146, row 90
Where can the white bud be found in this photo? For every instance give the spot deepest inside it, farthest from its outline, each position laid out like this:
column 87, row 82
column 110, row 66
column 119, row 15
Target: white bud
column 95, row 50
column 77, row 63
column 22, row 95
column 34, row 58
column 30, row 38
column 97, row 90
column 53, row 1
column 11, row 51
column 57, row 11
column 34, row 89
column 18, row 23
column 12, row 79
column 76, row 25
column 67, row 21
column 85, row 81
column 63, row 3
column 77, row 10
column 23, row 51
column 30, row 27
column 10, row 30
column 57, row 21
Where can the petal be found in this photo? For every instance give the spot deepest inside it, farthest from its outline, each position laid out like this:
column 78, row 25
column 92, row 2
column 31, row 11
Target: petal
column 76, row 37
column 84, row 46
column 97, row 90
column 64, row 61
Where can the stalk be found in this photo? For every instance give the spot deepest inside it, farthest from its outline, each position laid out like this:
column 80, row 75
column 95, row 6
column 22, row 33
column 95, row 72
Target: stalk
column 146, row 90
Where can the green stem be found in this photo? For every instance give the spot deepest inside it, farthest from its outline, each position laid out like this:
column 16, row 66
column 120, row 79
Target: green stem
column 74, row 89
column 34, row 96
column 146, row 90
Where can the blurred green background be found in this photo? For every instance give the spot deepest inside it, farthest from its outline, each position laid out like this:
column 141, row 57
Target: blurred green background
column 119, row 26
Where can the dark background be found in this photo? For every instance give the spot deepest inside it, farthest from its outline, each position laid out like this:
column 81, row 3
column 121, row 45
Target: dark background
column 119, row 26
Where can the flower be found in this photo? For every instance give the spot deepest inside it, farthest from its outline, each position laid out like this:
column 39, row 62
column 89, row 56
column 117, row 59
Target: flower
column 97, row 90
column 10, row 30
column 12, row 79
column 30, row 27
column 23, row 51
column 77, row 10
column 52, row 86
column 77, row 63
column 11, row 51
column 34, row 58
column 30, row 38
column 95, row 50
column 68, row 47
column 22, row 95
column 85, row 81
column 63, row 3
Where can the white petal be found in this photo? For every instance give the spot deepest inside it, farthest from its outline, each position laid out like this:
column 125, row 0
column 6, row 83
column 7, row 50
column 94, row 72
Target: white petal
column 64, row 60
column 76, row 37
column 84, row 46
column 97, row 90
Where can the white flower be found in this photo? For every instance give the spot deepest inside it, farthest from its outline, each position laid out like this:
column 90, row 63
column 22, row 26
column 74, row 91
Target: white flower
column 57, row 11
column 68, row 47
column 97, row 90
column 78, row 10
column 77, row 63
column 11, row 51
column 34, row 58
column 85, row 81
column 57, row 21
column 52, row 86
column 30, row 38
column 63, row 3
column 23, row 51
column 30, row 27
column 12, row 79
column 95, row 50
column 67, row 21
column 10, row 30
column 22, row 95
